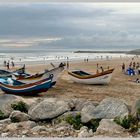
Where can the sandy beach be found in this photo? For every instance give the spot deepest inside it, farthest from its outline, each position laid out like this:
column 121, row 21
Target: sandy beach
column 119, row 87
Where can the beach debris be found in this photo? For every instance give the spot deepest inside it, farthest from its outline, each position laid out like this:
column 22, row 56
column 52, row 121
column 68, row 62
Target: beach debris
column 48, row 109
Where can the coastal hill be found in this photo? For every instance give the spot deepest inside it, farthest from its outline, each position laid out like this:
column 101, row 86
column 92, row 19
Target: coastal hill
column 136, row 52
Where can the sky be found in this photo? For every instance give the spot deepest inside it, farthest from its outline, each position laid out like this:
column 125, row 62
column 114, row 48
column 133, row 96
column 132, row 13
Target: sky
column 97, row 26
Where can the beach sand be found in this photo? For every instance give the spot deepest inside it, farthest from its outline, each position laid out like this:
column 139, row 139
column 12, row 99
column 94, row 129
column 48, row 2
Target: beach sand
column 119, row 87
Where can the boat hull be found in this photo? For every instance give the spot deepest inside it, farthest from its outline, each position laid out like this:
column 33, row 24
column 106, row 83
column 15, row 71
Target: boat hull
column 97, row 79
column 94, row 81
column 28, row 89
column 55, row 72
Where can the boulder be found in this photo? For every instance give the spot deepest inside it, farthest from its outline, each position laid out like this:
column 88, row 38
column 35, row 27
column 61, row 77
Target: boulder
column 109, row 108
column 62, row 118
column 5, row 103
column 4, row 134
column 136, row 109
column 48, row 109
column 108, row 127
column 80, row 103
column 85, row 133
column 17, row 116
column 27, row 124
column 5, row 121
column 12, row 127
column 85, row 113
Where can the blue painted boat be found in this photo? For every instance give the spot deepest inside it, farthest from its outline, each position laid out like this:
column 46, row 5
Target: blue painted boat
column 19, row 88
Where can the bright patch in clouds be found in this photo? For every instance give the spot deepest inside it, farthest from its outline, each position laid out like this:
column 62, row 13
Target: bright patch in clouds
column 25, row 43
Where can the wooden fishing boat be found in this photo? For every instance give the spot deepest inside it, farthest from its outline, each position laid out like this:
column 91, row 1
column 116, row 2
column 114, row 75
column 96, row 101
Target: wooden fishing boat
column 86, row 78
column 5, row 73
column 33, row 78
column 18, row 72
column 19, row 88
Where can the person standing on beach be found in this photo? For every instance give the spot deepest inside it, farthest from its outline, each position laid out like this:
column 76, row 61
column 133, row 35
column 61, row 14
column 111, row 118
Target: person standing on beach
column 102, row 68
column 123, row 67
column 97, row 68
column 134, row 65
column 4, row 63
column 8, row 68
column 13, row 65
column 67, row 62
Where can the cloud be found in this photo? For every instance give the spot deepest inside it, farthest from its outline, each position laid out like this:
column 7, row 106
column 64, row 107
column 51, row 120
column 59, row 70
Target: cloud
column 75, row 25
column 26, row 42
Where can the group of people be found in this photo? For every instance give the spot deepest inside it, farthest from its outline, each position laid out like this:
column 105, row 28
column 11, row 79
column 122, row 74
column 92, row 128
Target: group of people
column 86, row 60
column 7, row 64
column 100, row 68
column 134, row 68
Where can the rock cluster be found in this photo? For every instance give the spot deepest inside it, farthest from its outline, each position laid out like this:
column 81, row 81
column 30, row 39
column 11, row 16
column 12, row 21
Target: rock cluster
column 47, row 117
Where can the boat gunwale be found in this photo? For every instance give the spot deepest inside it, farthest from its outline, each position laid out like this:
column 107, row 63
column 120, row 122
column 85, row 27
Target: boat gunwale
column 27, row 85
column 91, row 76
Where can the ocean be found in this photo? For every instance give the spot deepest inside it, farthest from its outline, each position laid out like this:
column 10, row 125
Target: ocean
column 21, row 57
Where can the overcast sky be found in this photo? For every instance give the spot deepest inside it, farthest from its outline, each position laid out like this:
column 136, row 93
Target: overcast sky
column 86, row 25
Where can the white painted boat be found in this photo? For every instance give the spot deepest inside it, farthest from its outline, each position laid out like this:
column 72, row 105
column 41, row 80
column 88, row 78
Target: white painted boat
column 82, row 77
column 34, row 78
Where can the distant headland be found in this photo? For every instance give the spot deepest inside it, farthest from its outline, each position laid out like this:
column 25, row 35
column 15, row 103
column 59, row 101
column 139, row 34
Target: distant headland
column 134, row 52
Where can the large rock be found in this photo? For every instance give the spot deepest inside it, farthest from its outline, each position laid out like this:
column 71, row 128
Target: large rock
column 85, row 113
column 109, row 108
column 27, row 124
column 48, row 109
column 136, row 109
column 63, row 117
column 79, row 104
column 108, row 127
column 17, row 116
column 5, row 121
column 5, row 103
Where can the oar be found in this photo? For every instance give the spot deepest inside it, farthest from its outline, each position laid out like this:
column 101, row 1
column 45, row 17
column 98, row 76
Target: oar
column 53, row 65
